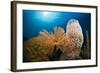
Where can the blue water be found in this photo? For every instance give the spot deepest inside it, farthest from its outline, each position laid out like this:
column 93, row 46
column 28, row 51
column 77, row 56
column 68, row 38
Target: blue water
column 34, row 21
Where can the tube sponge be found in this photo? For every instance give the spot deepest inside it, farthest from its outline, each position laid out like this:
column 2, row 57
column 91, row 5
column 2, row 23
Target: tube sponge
column 74, row 40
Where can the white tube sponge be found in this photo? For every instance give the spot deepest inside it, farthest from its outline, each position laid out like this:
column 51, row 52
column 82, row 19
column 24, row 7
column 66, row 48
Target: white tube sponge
column 74, row 40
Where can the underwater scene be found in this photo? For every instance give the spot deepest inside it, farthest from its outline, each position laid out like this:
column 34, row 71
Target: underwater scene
column 56, row 36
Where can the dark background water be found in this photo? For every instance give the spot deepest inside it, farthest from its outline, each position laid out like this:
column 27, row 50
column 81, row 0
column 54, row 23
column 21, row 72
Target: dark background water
column 34, row 21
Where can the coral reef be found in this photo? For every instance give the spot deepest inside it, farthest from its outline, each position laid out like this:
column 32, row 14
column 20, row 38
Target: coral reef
column 56, row 45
